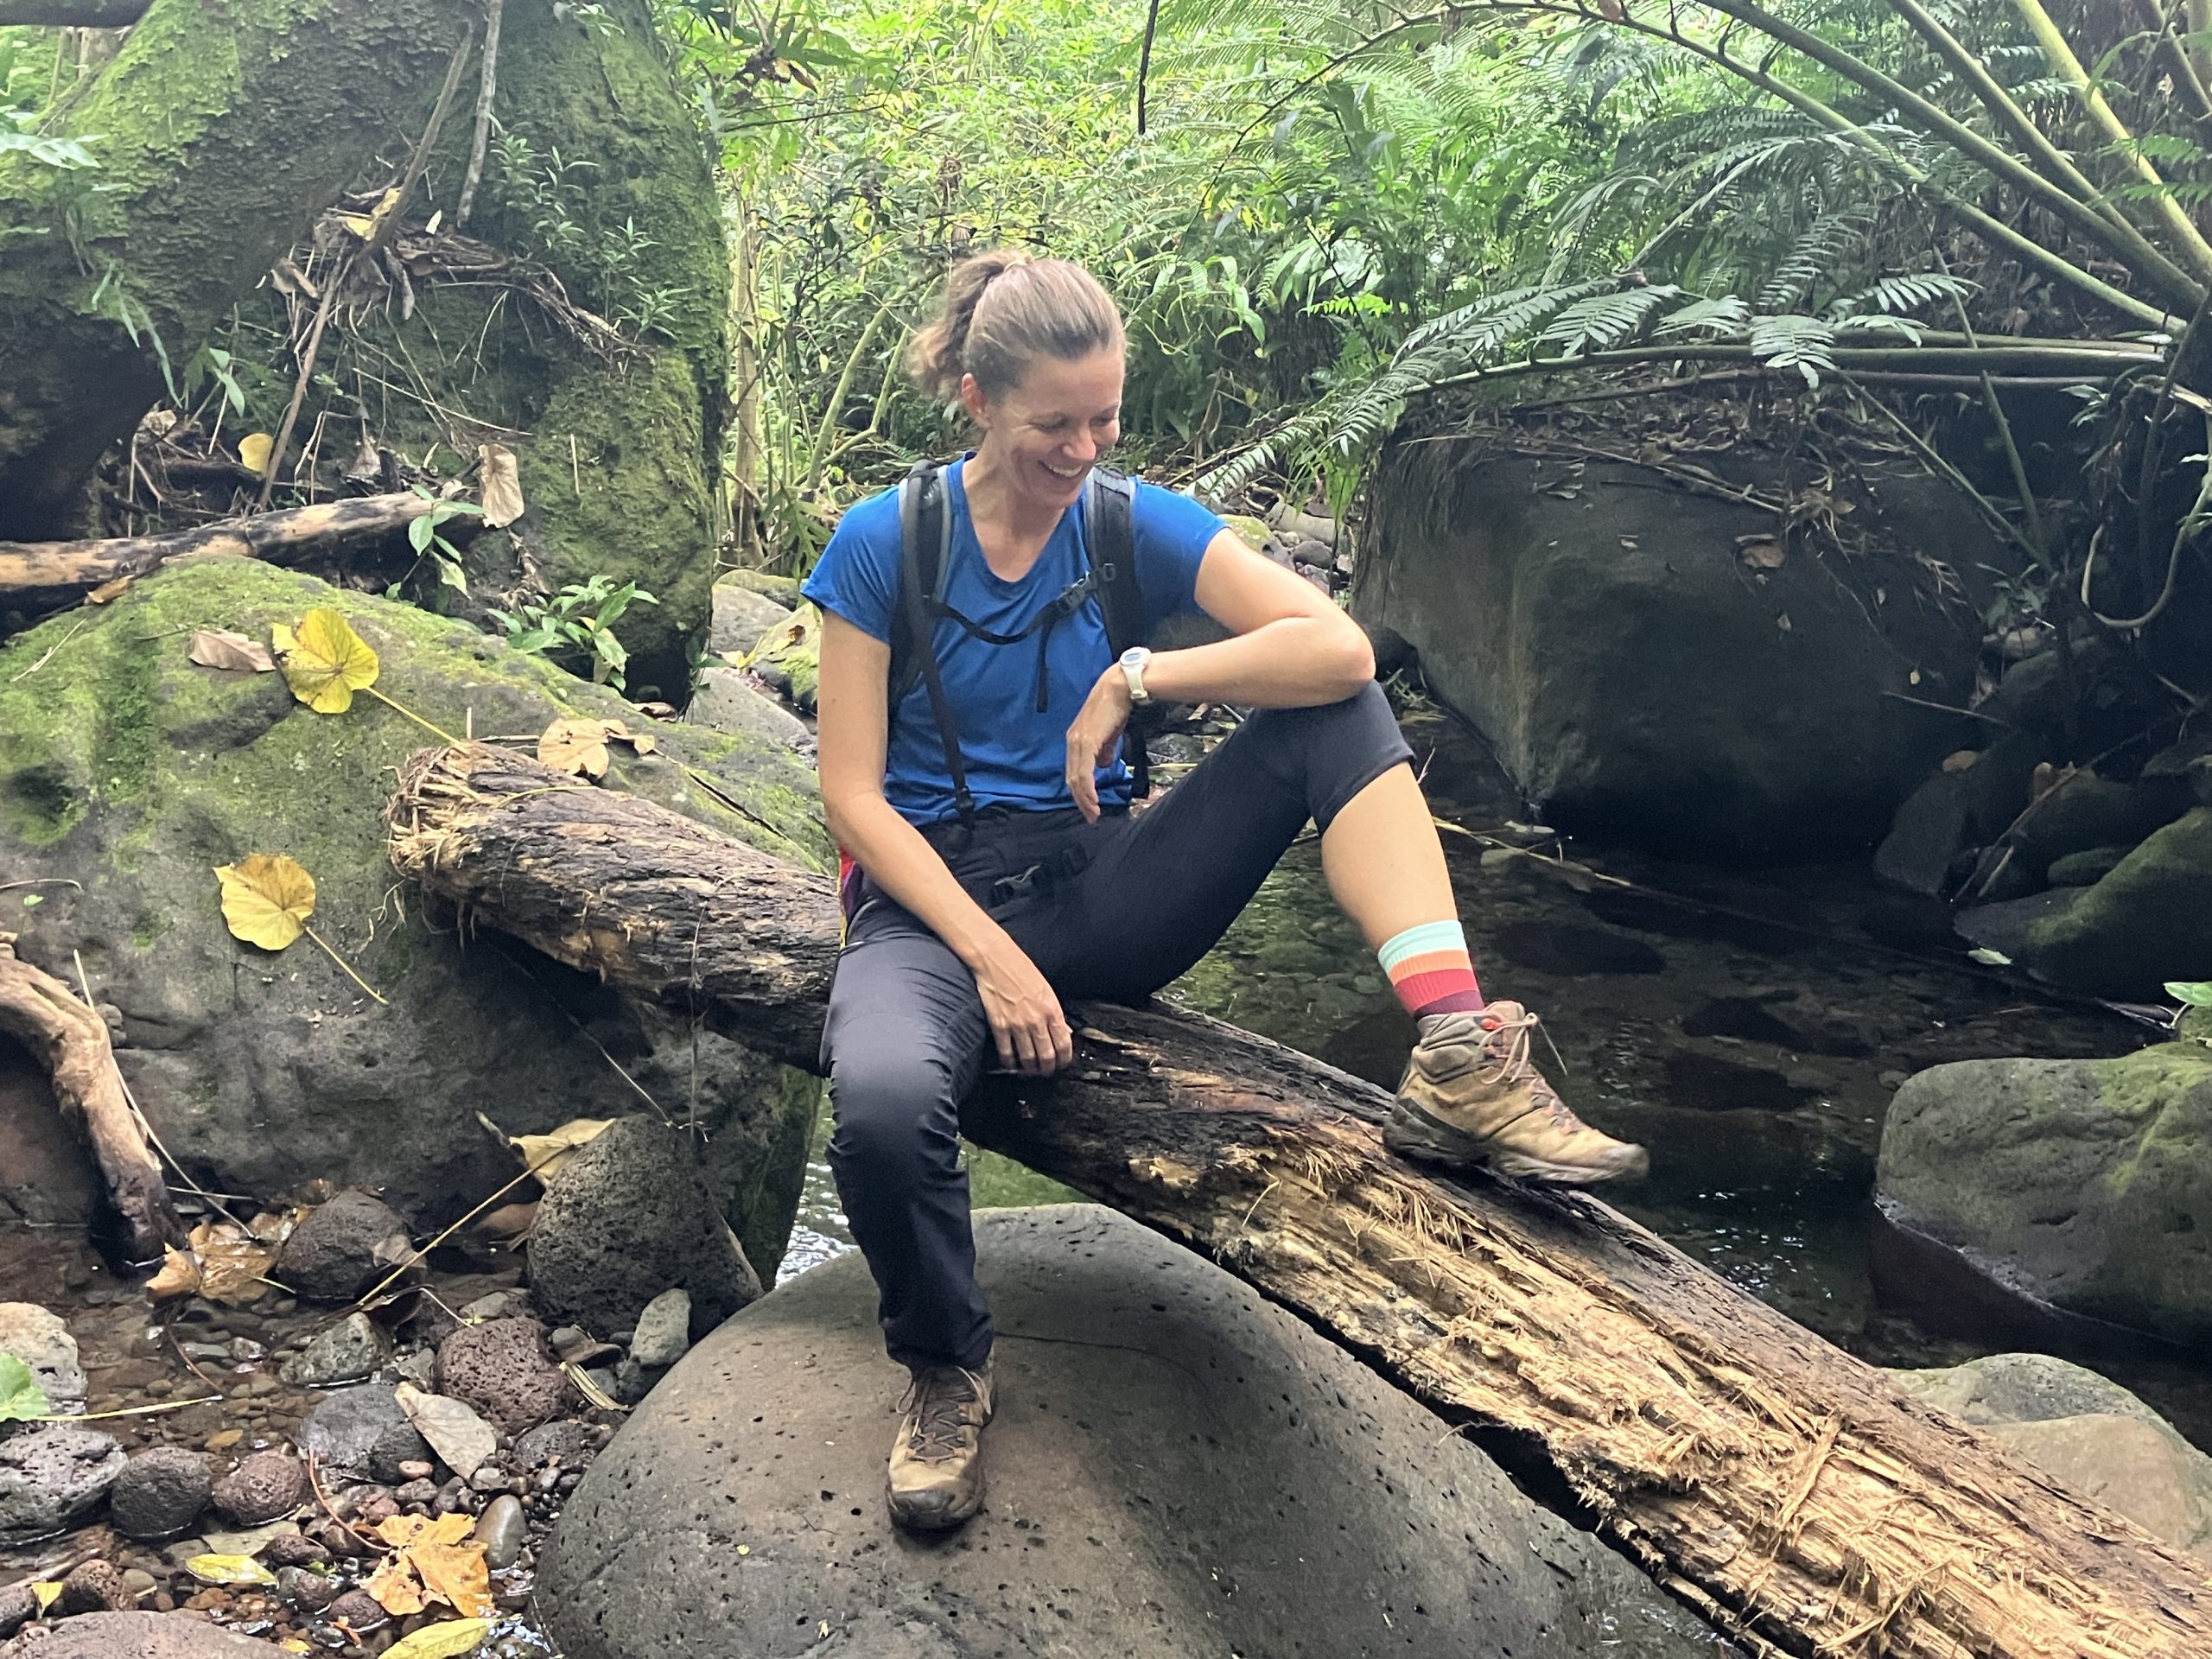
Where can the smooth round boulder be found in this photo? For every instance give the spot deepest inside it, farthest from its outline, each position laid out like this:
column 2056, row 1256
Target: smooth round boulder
column 137, row 1636
column 264, row 1487
column 160, row 1493
column 1176, row 1467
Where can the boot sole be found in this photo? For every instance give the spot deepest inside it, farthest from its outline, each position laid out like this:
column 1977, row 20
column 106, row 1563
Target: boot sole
column 1411, row 1133
column 937, row 1520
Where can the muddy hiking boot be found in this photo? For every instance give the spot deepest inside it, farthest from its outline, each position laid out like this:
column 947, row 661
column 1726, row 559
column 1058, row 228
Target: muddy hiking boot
column 936, row 1463
column 1471, row 1095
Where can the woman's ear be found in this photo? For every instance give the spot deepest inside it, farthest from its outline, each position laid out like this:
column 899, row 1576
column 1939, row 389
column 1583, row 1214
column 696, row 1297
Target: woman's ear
column 972, row 400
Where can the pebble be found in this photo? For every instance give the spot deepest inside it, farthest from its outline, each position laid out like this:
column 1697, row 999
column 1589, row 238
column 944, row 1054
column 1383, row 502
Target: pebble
column 488, row 1478
column 344, row 1353
column 223, row 1440
column 266, row 1485
column 664, row 1332
column 423, row 1492
column 95, row 1586
column 500, row 1529
column 160, row 1493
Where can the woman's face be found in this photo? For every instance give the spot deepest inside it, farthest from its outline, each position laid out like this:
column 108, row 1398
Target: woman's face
column 1044, row 434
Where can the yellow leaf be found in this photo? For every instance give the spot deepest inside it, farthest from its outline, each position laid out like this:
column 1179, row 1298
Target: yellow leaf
column 46, row 1590
column 326, row 661
column 231, row 1264
column 229, row 1569
column 253, row 451
column 448, row 1641
column 360, row 224
column 221, row 648
column 112, row 589
column 405, row 1531
column 500, row 490
column 179, row 1275
column 457, row 1575
column 267, row 900
column 395, row 1587
column 545, row 1154
column 575, row 746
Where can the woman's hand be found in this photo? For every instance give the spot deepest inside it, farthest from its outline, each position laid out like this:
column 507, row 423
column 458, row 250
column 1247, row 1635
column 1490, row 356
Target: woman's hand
column 1026, row 1023
column 1095, row 736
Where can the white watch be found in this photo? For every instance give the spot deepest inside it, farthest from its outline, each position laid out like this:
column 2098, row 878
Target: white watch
column 1133, row 662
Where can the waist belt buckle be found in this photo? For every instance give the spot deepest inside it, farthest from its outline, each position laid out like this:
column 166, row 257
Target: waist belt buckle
column 1009, row 888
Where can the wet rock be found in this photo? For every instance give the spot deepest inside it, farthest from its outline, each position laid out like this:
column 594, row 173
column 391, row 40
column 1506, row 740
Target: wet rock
column 740, row 617
column 308, row 1591
column 504, row 1369
column 292, row 1549
column 160, row 1493
column 343, row 1431
column 346, row 1352
column 626, row 1218
column 266, row 1487
column 94, row 1588
column 42, row 1342
column 1267, row 1445
column 663, row 1331
column 137, row 1635
column 2088, row 1431
column 423, row 1492
column 501, row 1529
column 2085, row 869
column 461, row 1437
column 499, row 1304
column 18, row 1607
column 728, row 701
column 1568, row 949
column 358, row 1609
column 2148, row 920
column 342, row 1247
column 2085, row 1184
column 569, row 1444
column 1956, row 812
column 50, row 1475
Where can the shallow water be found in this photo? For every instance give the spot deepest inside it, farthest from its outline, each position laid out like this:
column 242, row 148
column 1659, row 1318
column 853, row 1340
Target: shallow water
column 1748, row 1027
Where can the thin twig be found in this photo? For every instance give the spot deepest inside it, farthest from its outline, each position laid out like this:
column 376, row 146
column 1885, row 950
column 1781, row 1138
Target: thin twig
column 485, row 89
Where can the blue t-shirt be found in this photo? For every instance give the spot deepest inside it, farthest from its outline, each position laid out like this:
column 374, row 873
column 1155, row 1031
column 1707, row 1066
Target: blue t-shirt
column 1014, row 755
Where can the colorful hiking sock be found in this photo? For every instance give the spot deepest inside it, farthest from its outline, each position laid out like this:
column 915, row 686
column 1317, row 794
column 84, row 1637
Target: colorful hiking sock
column 1430, row 970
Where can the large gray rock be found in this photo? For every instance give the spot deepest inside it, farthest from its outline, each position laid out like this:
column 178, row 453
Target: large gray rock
column 1601, row 629
column 160, row 1492
column 2085, row 1185
column 362, row 1431
column 626, row 1218
column 137, row 1636
column 341, row 1248
column 742, row 616
column 728, row 701
column 42, row 1342
column 1956, row 810
column 2094, row 1435
column 127, row 773
column 50, row 1475
column 2147, row 920
column 1177, row 1468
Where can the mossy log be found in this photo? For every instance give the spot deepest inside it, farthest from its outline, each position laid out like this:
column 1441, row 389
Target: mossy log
column 35, row 575
column 69, row 1038
column 223, row 130
column 1785, row 1489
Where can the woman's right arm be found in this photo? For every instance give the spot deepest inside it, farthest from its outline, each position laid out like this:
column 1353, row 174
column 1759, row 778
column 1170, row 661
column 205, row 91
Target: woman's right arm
column 854, row 716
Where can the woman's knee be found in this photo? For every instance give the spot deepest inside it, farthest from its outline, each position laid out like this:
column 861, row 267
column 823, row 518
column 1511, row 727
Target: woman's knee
column 896, row 1118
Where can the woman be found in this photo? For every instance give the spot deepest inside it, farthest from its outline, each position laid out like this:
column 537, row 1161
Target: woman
column 999, row 868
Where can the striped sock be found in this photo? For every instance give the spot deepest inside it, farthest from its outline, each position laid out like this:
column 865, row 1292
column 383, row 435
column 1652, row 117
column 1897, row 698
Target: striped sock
column 1430, row 970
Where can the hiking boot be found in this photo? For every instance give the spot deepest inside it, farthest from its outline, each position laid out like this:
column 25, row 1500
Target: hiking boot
column 936, row 1463
column 1472, row 1096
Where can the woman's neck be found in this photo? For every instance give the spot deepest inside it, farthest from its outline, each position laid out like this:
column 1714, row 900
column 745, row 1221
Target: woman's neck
column 992, row 500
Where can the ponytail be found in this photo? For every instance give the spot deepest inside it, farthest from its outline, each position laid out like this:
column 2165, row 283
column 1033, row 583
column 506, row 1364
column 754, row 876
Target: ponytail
column 1002, row 308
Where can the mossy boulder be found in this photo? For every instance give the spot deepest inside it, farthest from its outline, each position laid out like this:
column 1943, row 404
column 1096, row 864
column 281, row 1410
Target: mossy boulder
column 127, row 773
column 2147, row 920
column 2083, row 1185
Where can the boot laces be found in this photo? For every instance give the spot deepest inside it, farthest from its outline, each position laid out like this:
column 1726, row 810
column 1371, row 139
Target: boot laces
column 938, row 1398
column 1508, row 1044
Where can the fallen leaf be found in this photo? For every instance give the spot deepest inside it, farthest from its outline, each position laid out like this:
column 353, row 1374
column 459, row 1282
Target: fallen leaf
column 544, row 1153
column 639, row 742
column 402, row 1531
column 1960, row 759
column 500, row 490
column 456, row 1433
column 46, row 1590
column 221, row 648
column 112, row 589
column 1990, row 959
column 455, row 1573
column 232, row 1265
column 229, row 1569
column 253, row 451
column 20, row 1393
column 575, row 746
column 179, row 1275
column 397, row 1589
column 1782, row 621
column 267, row 900
column 448, row 1641
column 1761, row 552
column 325, row 662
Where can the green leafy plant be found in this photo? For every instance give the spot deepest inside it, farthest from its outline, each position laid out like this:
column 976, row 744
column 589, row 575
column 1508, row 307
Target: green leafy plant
column 20, row 1397
column 575, row 627
column 424, row 536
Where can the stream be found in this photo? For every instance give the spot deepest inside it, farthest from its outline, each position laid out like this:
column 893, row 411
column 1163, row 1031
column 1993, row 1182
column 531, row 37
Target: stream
column 1749, row 1026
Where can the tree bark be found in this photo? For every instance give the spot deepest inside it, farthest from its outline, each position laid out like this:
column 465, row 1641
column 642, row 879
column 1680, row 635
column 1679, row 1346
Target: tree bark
column 1782, row 1488
column 70, row 1039
column 37, row 575
column 223, row 130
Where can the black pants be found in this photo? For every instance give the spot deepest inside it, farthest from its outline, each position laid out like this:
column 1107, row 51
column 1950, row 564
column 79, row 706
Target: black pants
column 1112, row 910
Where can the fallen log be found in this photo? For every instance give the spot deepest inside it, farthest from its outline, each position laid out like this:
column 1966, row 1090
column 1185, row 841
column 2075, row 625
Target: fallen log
column 1780, row 1486
column 36, row 575
column 69, row 1038
column 72, row 14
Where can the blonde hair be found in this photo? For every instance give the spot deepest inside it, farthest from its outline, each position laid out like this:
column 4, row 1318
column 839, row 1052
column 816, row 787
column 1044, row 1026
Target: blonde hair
column 1003, row 308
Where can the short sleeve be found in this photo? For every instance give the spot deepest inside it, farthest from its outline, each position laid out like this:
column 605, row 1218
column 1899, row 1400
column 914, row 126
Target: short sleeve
column 1172, row 533
column 857, row 576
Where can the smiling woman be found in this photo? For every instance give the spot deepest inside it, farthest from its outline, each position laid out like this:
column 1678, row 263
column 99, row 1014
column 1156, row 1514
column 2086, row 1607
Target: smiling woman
column 995, row 862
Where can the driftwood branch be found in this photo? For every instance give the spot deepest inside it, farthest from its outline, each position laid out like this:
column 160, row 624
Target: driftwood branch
column 1784, row 1489
column 69, row 1038
column 35, row 575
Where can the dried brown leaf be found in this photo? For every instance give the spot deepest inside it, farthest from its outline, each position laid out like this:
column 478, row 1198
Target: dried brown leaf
column 500, row 485
column 576, row 746
column 113, row 589
column 221, row 648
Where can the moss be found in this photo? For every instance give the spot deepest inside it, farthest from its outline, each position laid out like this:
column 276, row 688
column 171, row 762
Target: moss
column 2148, row 920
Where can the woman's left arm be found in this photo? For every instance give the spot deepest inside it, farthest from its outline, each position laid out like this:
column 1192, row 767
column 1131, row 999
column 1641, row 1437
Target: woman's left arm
column 1291, row 647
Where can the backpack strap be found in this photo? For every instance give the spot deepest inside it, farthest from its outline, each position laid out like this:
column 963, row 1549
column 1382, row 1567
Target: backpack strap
column 925, row 557
column 1109, row 532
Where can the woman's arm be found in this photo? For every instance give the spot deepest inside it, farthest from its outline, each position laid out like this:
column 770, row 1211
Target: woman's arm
column 854, row 716
column 1291, row 648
